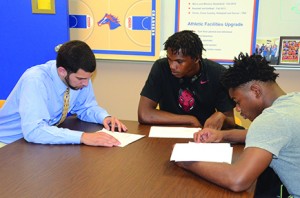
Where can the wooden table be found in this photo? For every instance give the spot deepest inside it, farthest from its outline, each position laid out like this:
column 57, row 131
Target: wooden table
column 141, row 169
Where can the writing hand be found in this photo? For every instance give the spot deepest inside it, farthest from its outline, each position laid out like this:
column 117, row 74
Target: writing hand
column 215, row 121
column 208, row 135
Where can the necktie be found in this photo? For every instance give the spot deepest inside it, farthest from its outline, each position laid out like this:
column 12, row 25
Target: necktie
column 66, row 106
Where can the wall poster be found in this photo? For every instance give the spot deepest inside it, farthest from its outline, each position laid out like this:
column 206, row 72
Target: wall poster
column 226, row 27
column 289, row 51
column 120, row 30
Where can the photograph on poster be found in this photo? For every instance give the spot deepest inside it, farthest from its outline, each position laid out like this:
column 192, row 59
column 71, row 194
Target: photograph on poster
column 268, row 48
column 289, row 51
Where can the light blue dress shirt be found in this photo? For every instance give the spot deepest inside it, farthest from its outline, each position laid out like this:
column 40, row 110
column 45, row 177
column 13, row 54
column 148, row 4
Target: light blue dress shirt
column 35, row 105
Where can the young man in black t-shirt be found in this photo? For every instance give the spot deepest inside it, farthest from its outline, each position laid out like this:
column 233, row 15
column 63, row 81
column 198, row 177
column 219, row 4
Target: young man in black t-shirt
column 186, row 87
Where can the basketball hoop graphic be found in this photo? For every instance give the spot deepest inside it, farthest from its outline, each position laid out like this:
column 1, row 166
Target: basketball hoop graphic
column 138, row 22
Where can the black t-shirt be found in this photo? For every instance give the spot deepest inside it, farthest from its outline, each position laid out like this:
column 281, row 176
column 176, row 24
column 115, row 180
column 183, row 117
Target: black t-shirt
column 200, row 95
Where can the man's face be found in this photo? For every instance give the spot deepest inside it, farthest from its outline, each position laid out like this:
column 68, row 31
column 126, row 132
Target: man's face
column 182, row 66
column 248, row 99
column 78, row 80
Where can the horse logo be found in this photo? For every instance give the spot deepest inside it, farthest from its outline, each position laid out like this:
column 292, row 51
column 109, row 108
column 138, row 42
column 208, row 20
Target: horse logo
column 110, row 20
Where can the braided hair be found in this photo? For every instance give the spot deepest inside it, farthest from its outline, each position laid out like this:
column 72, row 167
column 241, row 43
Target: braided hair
column 187, row 41
column 247, row 68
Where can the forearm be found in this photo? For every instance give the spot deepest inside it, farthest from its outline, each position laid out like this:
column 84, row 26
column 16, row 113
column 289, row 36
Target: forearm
column 162, row 117
column 95, row 114
column 234, row 135
column 220, row 120
column 45, row 134
column 229, row 123
column 87, row 108
column 221, row 174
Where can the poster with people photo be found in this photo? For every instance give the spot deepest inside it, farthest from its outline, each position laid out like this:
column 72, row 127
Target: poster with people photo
column 289, row 51
column 268, row 48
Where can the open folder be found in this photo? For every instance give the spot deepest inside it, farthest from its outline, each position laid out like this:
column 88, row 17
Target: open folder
column 124, row 138
column 208, row 152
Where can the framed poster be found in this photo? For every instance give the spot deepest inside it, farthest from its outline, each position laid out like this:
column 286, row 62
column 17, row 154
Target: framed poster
column 289, row 51
column 226, row 27
column 119, row 30
column 268, row 47
column 43, row 6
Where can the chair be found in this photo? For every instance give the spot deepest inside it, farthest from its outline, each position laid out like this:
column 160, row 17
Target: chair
column 270, row 185
column 239, row 120
column 2, row 103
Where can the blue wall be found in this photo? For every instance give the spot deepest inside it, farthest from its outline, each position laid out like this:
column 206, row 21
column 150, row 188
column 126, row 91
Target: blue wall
column 28, row 39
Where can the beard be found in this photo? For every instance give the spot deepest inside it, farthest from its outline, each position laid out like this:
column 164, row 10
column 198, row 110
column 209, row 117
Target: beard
column 67, row 79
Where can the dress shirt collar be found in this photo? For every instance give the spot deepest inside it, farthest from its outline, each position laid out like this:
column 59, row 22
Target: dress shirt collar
column 57, row 82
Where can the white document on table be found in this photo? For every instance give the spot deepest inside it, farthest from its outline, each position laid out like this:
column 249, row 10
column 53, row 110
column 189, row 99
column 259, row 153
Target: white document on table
column 123, row 137
column 208, row 152
column 172, row 132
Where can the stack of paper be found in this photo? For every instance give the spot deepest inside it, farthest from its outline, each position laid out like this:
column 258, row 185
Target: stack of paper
column 209, row 152
column 172, row 132
column 123, row 137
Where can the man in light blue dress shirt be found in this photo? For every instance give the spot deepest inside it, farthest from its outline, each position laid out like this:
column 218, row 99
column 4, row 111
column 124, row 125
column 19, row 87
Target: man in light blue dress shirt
column 34, row 106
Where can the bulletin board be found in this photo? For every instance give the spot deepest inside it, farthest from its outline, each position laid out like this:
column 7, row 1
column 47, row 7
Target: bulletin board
column 120, row 30
column 283, row 25
column 225, row 27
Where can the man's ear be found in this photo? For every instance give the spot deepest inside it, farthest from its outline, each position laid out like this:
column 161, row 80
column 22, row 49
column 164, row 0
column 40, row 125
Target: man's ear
column 197, row 60
column 256, row 89
column 62, row 72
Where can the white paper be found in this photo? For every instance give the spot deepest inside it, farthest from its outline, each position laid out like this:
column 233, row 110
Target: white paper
column 208, row 152
column 123, row 137
column 172, row 132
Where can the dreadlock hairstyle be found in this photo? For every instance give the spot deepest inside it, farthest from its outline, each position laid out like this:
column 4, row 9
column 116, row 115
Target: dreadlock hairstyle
column 186, row 40
column 247, row 68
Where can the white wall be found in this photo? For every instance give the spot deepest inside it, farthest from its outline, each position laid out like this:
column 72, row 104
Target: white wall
column 117, row 84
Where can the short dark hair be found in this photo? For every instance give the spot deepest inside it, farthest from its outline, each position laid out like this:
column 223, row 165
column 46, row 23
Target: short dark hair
column 186, row 40
column 75, row 55
column 247, row 68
